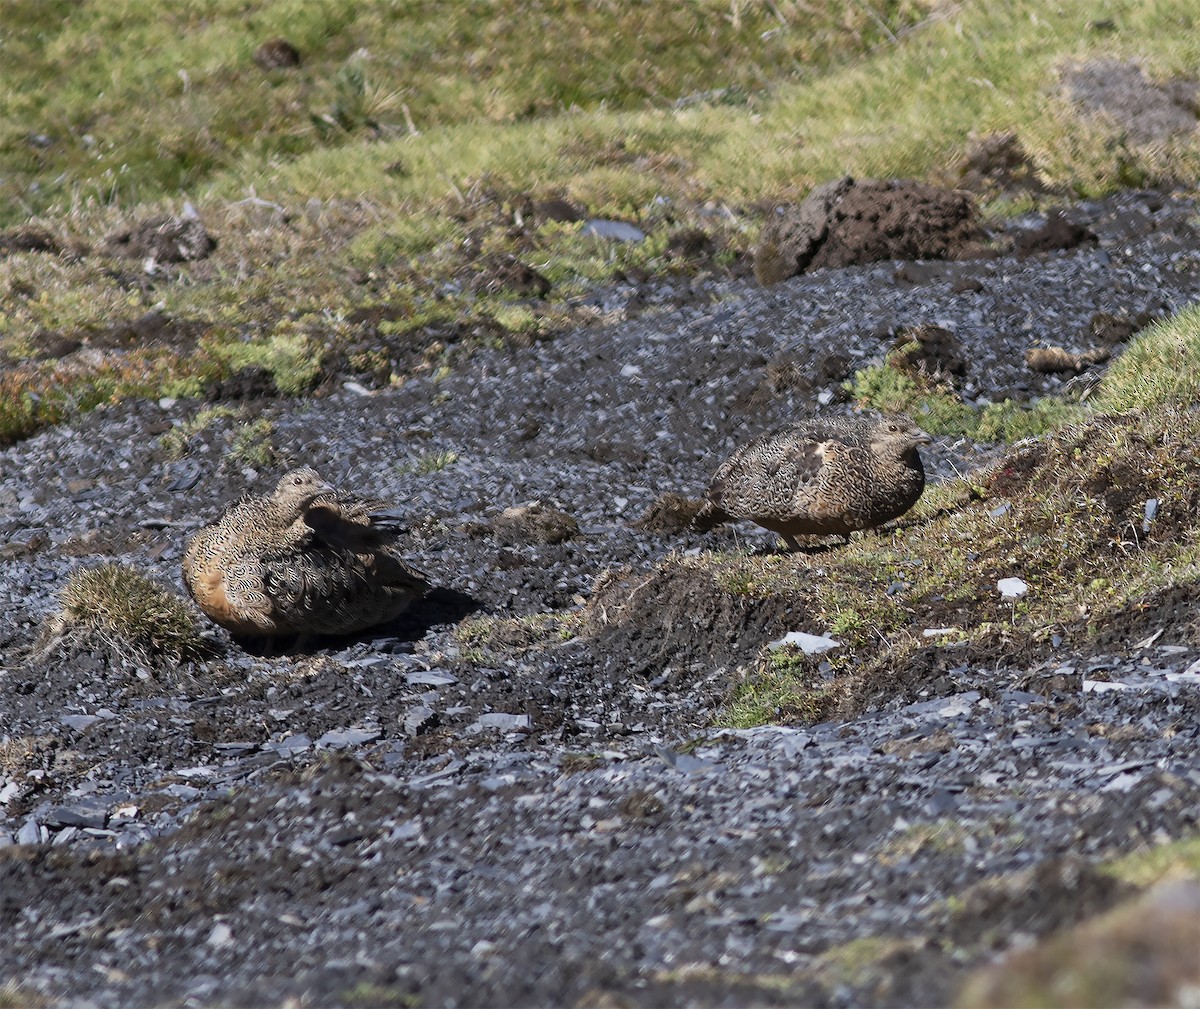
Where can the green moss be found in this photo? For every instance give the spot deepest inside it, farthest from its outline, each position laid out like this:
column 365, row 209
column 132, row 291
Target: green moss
column 1009, row 421
column 367, row 993
column 293, row 358
column 935, row 408
column 857, row 962
column 786, row 687
column 251, row 443
column 175, row 444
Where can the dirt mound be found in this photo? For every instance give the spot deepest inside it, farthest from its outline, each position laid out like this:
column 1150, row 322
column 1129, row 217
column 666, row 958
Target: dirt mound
column 165, row 239
column 669, row 513
column 681, row 614
column 276, row 53
column 250, row 383
column 1054, row 234
column 1175, row 609
column 497, row 274
column 1128, row 465
column 1144, row 111
column 28, row 240
column 848, row 223
column 928, row 352
column 533, row 523
column 1142, row 953
column 998, row 163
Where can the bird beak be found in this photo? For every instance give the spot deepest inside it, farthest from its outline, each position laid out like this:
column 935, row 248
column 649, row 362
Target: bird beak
column 921, row 438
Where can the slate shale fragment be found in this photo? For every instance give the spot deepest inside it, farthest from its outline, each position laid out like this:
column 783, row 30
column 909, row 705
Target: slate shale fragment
column 998, row 162
column 823, row 477
column 305, row 559
column 928, row 352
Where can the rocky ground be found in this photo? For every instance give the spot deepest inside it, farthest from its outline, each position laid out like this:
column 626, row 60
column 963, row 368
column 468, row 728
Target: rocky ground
column 496, row 801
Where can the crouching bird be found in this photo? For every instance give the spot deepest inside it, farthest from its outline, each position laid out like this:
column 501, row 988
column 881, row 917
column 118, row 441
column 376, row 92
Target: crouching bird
column 822, row 477
column 304, row 559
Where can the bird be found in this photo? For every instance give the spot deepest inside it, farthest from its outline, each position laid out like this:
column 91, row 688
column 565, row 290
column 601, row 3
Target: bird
column 822, row 477
column 305, row 559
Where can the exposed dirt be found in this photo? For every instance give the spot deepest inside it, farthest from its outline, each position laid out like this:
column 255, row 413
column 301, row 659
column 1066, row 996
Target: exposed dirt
column 163, row 239
column 515, row 794
column 850, row 223
column 1147, row 111
column 998, row 162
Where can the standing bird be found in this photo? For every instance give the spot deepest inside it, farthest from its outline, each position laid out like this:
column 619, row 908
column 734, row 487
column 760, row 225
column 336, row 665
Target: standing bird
column 305, row 559
column 823, row 477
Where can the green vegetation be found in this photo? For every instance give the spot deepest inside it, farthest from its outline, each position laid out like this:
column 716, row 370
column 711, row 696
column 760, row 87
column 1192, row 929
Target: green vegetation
column 246, row 441
column 129, row 612
column 380, row 176
column 788, row 686
column 477, row 636
column 156, row 101
column 938, row 409
column 429, row 462
column 1160, row 368
column 1147, row 867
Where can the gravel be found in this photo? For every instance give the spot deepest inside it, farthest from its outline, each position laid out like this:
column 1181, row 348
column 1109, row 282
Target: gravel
column 407, row 817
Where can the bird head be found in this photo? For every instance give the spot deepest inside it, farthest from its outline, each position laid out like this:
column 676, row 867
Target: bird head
column 898, row 436
column 298, row 488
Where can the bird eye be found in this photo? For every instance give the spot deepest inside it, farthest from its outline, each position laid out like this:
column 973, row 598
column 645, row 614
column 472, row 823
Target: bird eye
column 893, row 427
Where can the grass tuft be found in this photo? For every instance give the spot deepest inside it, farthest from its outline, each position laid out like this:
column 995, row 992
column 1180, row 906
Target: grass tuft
column 128, row 613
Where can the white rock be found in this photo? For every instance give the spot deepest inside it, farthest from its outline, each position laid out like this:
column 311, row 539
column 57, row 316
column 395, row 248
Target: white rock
column 221, row 935
column 1103, row 686
column 809, row 644
column 1012, row 588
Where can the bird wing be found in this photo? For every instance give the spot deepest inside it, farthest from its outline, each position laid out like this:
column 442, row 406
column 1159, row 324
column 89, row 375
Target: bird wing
column 345, row 523
column 780, row 461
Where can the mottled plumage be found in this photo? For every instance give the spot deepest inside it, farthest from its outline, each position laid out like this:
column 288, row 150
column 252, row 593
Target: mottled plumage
column 305, row 559
column 823, row 477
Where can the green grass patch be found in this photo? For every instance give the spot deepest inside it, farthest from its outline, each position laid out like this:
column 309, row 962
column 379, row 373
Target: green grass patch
column 940, row 411
column 123, row 102
column 1159, row 368
column 292, row 356
column 787, row 686
column 1147, row 867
